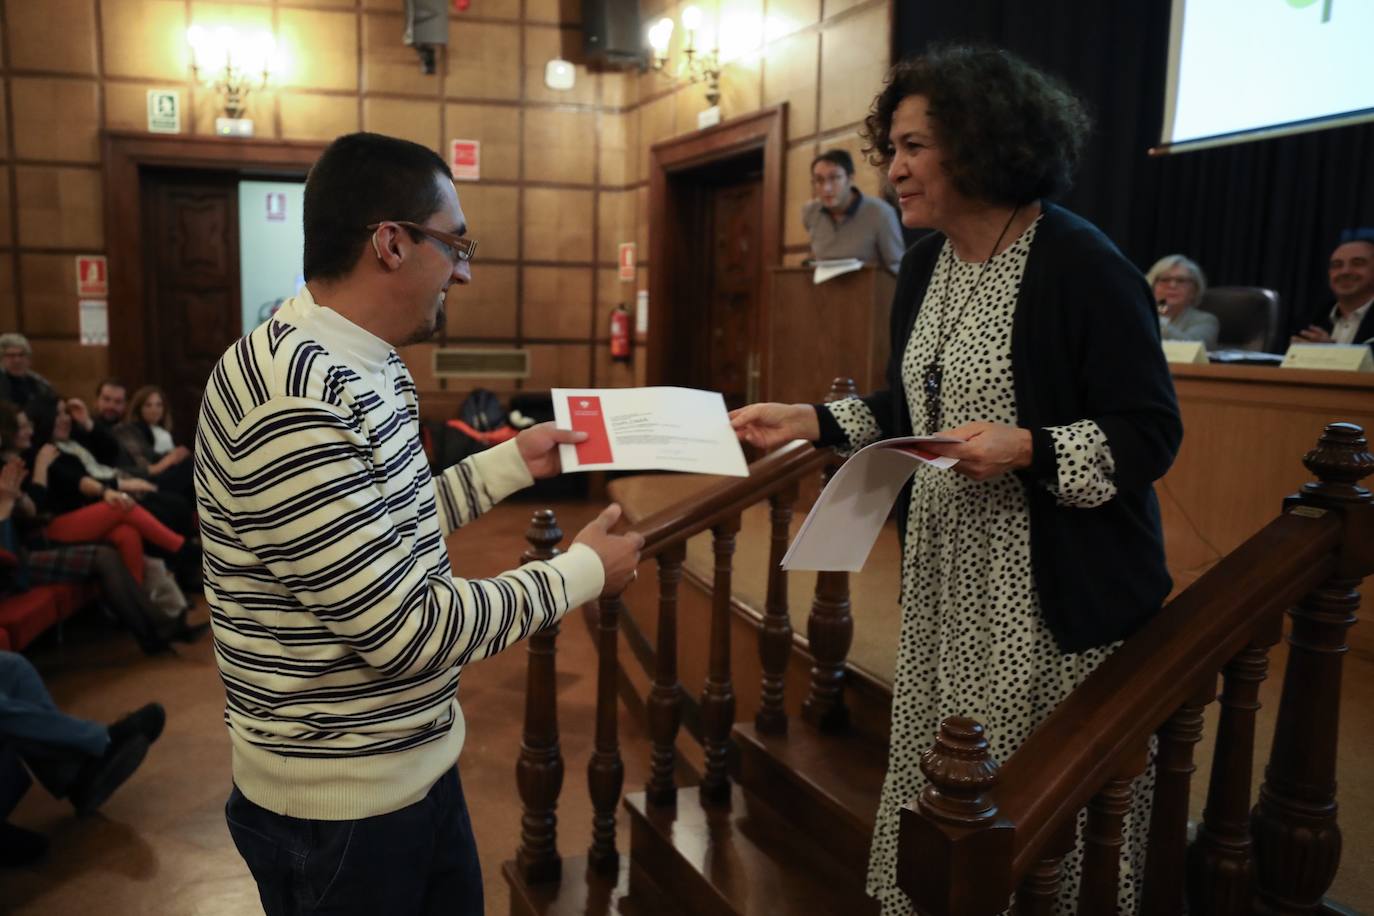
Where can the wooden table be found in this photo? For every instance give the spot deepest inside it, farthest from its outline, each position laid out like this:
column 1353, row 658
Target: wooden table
column 1245, row 430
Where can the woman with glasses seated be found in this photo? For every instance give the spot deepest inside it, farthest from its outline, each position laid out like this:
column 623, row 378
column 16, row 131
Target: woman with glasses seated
column 1019, row 329
column 1178, row 284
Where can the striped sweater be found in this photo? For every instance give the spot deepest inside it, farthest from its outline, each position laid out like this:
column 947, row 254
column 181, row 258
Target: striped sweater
column 340, row 631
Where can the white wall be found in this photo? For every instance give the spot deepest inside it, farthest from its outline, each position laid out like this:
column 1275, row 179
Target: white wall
column 270, row 250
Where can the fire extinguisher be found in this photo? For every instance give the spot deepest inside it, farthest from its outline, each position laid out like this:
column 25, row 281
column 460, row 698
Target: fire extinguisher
column 620, row 333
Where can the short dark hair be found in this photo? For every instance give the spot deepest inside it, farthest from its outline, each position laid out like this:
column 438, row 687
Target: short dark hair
column 1010, row 133
column 1356, row 234
column 361, row 179
column 110, row 383
column 838, row 157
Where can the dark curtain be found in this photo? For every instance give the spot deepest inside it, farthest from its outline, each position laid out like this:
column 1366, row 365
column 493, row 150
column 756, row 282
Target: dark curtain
column 1263, row 213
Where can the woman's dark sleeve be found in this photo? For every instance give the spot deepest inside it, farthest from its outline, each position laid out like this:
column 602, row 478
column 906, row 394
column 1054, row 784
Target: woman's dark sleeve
column 1127, row 389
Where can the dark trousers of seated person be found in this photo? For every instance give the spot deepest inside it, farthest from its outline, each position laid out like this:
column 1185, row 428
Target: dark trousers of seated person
column 179, row 480
column 52, row 745
column 421, row 859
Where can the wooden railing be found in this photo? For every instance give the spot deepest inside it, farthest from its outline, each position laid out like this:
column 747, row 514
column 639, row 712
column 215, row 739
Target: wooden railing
column 774, row 478
column 981, row 833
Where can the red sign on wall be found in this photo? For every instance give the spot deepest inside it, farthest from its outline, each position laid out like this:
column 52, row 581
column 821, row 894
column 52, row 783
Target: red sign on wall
column 465, row 159
column 627, row 260
column 92, row 280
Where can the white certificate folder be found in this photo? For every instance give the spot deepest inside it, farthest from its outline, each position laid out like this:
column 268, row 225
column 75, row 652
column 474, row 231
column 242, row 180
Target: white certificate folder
column 841, row 528
column 648, row 429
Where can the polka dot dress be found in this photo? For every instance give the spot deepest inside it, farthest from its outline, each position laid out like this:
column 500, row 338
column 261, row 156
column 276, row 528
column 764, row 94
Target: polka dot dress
column 973, row 642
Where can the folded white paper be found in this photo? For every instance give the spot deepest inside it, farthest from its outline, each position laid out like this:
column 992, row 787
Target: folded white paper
column 841, row 528
column 829, row 270
column 648, row 429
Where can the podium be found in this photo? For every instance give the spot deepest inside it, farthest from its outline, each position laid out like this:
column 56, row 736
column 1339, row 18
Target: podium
column 815, row 333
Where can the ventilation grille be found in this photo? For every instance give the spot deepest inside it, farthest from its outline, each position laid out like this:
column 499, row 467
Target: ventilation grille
column 456, row 362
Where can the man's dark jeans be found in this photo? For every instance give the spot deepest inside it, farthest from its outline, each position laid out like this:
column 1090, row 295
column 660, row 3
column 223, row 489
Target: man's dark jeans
column 420, row 859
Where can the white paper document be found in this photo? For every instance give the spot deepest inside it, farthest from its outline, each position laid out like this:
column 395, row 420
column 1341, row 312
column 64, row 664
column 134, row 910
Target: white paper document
column 829, row 270
column 648, row 429
column 839, row 531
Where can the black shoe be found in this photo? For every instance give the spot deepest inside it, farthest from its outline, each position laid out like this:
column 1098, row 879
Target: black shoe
column 102, row 776
column 147, row 721
column 19, row 846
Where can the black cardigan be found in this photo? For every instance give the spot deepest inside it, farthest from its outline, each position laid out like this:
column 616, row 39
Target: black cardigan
column 1085, row 345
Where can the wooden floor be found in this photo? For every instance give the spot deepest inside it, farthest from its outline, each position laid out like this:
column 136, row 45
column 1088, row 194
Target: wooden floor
column 160, row 844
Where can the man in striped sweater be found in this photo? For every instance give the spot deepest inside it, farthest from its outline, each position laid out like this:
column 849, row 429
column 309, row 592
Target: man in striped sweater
column 340, row 631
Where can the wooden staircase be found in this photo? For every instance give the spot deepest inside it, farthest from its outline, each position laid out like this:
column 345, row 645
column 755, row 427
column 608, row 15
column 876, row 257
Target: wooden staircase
column 780, row 818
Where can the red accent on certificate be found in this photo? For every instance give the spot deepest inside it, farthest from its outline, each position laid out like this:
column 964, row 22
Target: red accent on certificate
column 648, row 429
column 588, row 418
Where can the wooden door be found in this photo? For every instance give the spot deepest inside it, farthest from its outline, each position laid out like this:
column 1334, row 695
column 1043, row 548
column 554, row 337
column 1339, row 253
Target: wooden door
column 192, row 312
column 732, row 291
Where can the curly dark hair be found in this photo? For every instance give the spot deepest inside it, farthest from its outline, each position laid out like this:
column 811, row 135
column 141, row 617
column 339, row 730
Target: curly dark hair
column 1010, row 133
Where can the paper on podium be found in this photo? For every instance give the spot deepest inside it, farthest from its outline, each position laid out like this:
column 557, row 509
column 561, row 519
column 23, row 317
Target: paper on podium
column 648, row 429
column 839, row 531
column 829, row 270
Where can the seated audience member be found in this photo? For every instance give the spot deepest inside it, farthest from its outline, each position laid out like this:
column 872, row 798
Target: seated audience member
column 145, row 440
column 79, row 479
column 96, row 429
column 1350, row 273
column 19, row 384
column 846, row 223
column 76, row 759
column 28, row 558
column 1178, row 285
column 92, row 502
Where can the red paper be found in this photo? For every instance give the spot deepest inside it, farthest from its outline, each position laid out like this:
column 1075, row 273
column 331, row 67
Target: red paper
column 587, row 418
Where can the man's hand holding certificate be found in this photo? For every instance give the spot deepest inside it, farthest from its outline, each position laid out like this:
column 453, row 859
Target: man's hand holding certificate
column 640, row 429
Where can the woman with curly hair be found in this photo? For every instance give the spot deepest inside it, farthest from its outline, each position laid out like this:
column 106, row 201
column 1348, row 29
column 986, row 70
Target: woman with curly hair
column 1018, row 328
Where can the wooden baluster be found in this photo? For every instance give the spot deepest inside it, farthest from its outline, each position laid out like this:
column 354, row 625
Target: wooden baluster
column 605, row 771
column 1039, row 890
column 1167, row 851
column 1297, row 843
column 539, row 771
column 775, row 640
column 665, row 697
column 718, row 699
column 1102, row 840
column 952, row 854
column 1219, row 861
column 830, row 627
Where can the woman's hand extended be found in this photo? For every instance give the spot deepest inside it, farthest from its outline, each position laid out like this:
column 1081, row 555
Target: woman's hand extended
column 767, row 425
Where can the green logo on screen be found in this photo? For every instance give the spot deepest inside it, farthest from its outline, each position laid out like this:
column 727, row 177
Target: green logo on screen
column 1304, row 4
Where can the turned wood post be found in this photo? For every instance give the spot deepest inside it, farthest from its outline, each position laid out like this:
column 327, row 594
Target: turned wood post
column 953, row 855
column 1167, row 850
column 1038, row 894
column 665, row 697
column 718, row 697
column 775, row 639
column 830, row 627
column 1297, row 843
column 1102, row 838
column 1219, row 861
column 539, row 771
column 606, row 770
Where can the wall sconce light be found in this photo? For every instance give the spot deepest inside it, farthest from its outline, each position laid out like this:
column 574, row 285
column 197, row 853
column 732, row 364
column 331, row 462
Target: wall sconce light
column 234, row 65
column 695, row 65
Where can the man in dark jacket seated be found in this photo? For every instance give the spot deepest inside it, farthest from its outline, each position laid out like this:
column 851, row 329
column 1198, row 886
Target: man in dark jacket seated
column 1351, row 275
